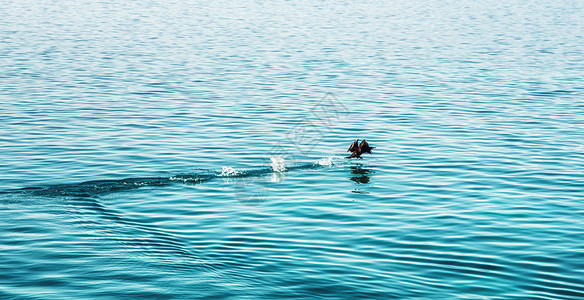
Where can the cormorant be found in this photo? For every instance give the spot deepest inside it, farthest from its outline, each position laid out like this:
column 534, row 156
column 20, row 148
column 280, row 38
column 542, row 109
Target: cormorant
column 356, row 151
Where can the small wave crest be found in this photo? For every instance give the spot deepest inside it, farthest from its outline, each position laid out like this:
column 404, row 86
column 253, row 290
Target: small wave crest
column 326, row 161
column 228, row 171
column 278, row 163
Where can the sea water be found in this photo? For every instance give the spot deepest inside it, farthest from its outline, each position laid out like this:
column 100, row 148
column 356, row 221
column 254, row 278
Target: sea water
column 195, row 149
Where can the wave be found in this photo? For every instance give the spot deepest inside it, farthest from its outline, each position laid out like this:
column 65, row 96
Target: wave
column 100, row 187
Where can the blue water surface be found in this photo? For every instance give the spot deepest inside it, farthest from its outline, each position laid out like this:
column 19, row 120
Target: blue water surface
column 195, row 149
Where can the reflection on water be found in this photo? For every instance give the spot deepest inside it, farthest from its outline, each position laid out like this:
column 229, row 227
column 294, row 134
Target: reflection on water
column 360, row 175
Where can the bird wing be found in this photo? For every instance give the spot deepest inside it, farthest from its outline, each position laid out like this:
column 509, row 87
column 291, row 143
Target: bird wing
column 354, row 146
column 364, row 147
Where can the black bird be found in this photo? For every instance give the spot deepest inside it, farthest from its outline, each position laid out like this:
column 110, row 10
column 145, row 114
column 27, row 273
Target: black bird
column 356, row 151
column 354, row 146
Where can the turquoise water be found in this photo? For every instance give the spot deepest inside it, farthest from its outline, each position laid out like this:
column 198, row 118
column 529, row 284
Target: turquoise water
column 195, row 150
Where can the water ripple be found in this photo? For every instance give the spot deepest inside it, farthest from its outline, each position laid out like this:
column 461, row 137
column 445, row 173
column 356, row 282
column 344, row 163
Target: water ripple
column 135, row 146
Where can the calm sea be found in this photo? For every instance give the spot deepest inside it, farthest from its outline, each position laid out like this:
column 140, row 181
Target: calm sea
column 195, row 149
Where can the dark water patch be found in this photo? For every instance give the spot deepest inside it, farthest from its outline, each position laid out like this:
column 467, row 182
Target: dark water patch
column 102, row 187
column 552, row 93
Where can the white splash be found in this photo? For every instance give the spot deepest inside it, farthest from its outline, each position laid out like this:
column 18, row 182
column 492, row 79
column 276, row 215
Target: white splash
column 326, row 161
column 278, row 163
column 174, row 178
column 228, row 171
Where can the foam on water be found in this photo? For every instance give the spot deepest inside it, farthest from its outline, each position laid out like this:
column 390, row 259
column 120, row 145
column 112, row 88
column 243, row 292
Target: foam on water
column 278, row 163
column 326, row 161
column 228, row 171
